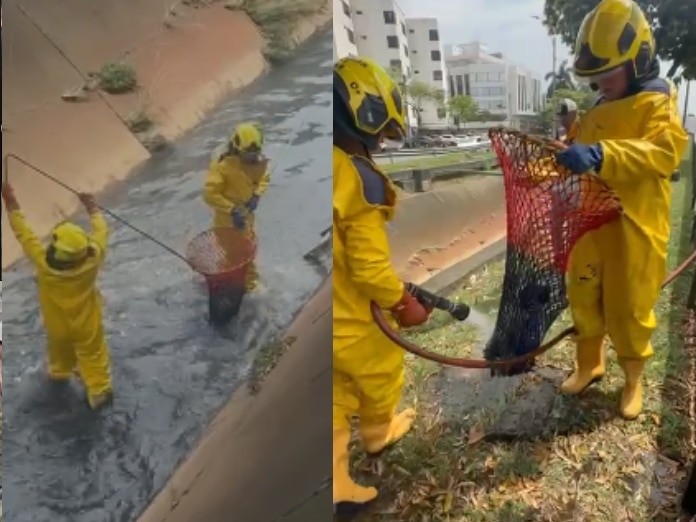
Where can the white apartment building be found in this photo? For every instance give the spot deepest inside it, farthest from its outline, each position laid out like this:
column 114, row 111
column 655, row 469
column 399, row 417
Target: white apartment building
column 380, row 34
column 498, row 86
column 428, row 67
column 343, row 30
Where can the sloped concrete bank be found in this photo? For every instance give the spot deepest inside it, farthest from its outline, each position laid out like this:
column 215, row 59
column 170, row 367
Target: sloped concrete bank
column 187, row 60
column 266, row 458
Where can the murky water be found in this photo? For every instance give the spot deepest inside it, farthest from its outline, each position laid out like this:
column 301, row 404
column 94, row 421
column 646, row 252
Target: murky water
column 171, row 371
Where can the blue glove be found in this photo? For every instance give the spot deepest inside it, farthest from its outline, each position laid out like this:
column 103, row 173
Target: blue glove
column 238, row 218
column 580, row 159
column 252, row 203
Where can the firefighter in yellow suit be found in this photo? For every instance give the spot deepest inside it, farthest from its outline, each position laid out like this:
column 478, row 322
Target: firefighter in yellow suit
column 368, row 369
column 568, row 117
column 235, row 182
column 71, row 305
column 633, row 139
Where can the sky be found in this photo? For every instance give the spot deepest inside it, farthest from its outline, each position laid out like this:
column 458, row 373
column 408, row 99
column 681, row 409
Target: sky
column 505, row 26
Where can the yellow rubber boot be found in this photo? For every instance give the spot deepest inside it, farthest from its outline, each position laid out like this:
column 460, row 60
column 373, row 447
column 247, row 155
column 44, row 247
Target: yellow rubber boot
column 377, row 437
column 590, row 368
column 632, row 395
column 100, row 400
column 347, row 495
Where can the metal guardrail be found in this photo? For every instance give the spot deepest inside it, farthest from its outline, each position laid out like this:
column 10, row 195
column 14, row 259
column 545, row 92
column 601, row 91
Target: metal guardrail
column 433, row 151
column 420, row 179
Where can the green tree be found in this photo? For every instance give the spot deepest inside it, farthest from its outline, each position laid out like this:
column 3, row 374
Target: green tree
column 584, row 98
column 462, row 108
column 673, row 20
column 417, row 93
column 560, row 79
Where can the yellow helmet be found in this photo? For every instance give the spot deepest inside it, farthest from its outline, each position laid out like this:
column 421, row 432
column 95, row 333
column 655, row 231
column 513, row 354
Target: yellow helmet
column 69, row 242
column 246, row 137
column 368, row 104
column 615, row 33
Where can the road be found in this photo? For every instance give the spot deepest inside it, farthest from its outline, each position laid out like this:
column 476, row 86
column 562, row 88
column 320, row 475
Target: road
column 172, row 373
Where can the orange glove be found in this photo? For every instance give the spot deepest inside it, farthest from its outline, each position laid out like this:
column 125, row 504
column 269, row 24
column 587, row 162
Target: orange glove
column 9, row 198
column 89, row 202
column 409, row 312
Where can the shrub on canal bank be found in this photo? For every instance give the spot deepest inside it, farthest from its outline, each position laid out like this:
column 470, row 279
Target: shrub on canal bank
column 277, row 20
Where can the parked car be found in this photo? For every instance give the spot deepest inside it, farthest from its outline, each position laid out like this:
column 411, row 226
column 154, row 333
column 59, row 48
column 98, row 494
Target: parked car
column 448, row 140
column 426, row 142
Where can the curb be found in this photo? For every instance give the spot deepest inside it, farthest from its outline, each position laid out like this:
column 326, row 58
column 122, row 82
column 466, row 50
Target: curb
column 446, row 281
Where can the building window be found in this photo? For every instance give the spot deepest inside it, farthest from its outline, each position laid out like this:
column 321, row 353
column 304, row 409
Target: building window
column 389, row 17
column 433, row 35
column 411, row 31
column 441, row 113
column 481, row 77
column 437, row 76
column 467, row 85
column 346, row 8
column 435, row 56
column 405, row 50
column 351, row 36
column 392, row 42
column 358, row 12
column 363, row 37
column 395, row 64
column 403, row 28
column 451, row 85
column 460, row 87
column 416, row 71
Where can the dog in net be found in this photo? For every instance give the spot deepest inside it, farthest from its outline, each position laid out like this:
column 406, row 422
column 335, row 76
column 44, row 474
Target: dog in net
column 222, row 256
column 548, row 210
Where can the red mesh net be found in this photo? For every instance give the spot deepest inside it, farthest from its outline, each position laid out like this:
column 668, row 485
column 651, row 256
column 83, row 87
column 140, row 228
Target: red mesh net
column 222, row 256
column 548, row 210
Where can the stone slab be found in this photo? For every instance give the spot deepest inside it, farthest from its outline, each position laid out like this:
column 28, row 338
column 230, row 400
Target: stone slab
column 504, row 408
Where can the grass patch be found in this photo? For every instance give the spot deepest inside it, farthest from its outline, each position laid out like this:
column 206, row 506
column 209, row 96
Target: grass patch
column 603, row 469
column 139, row 121
column 266, row 360
column 443, row 160
column 117, row 78
column 276, row 19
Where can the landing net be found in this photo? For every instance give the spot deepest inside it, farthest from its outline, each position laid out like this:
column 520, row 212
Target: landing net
column 222, row 256
column 548, row 211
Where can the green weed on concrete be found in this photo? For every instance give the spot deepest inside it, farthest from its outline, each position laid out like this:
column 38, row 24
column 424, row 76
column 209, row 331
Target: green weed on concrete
column 277, row 19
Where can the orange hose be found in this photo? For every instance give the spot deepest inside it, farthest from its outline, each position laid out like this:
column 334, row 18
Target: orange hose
column 459, row 362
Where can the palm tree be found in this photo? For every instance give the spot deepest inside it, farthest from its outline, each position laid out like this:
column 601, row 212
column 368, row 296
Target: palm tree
column 560, row 79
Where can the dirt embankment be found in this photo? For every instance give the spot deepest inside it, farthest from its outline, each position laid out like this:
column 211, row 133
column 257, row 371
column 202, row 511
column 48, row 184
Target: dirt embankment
column 187, row 57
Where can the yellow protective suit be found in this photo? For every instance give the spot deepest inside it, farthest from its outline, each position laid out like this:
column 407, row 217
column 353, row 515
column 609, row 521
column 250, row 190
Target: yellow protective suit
column 368, row 369
column 71, row 306
column 231, row 184
column 615, row 273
